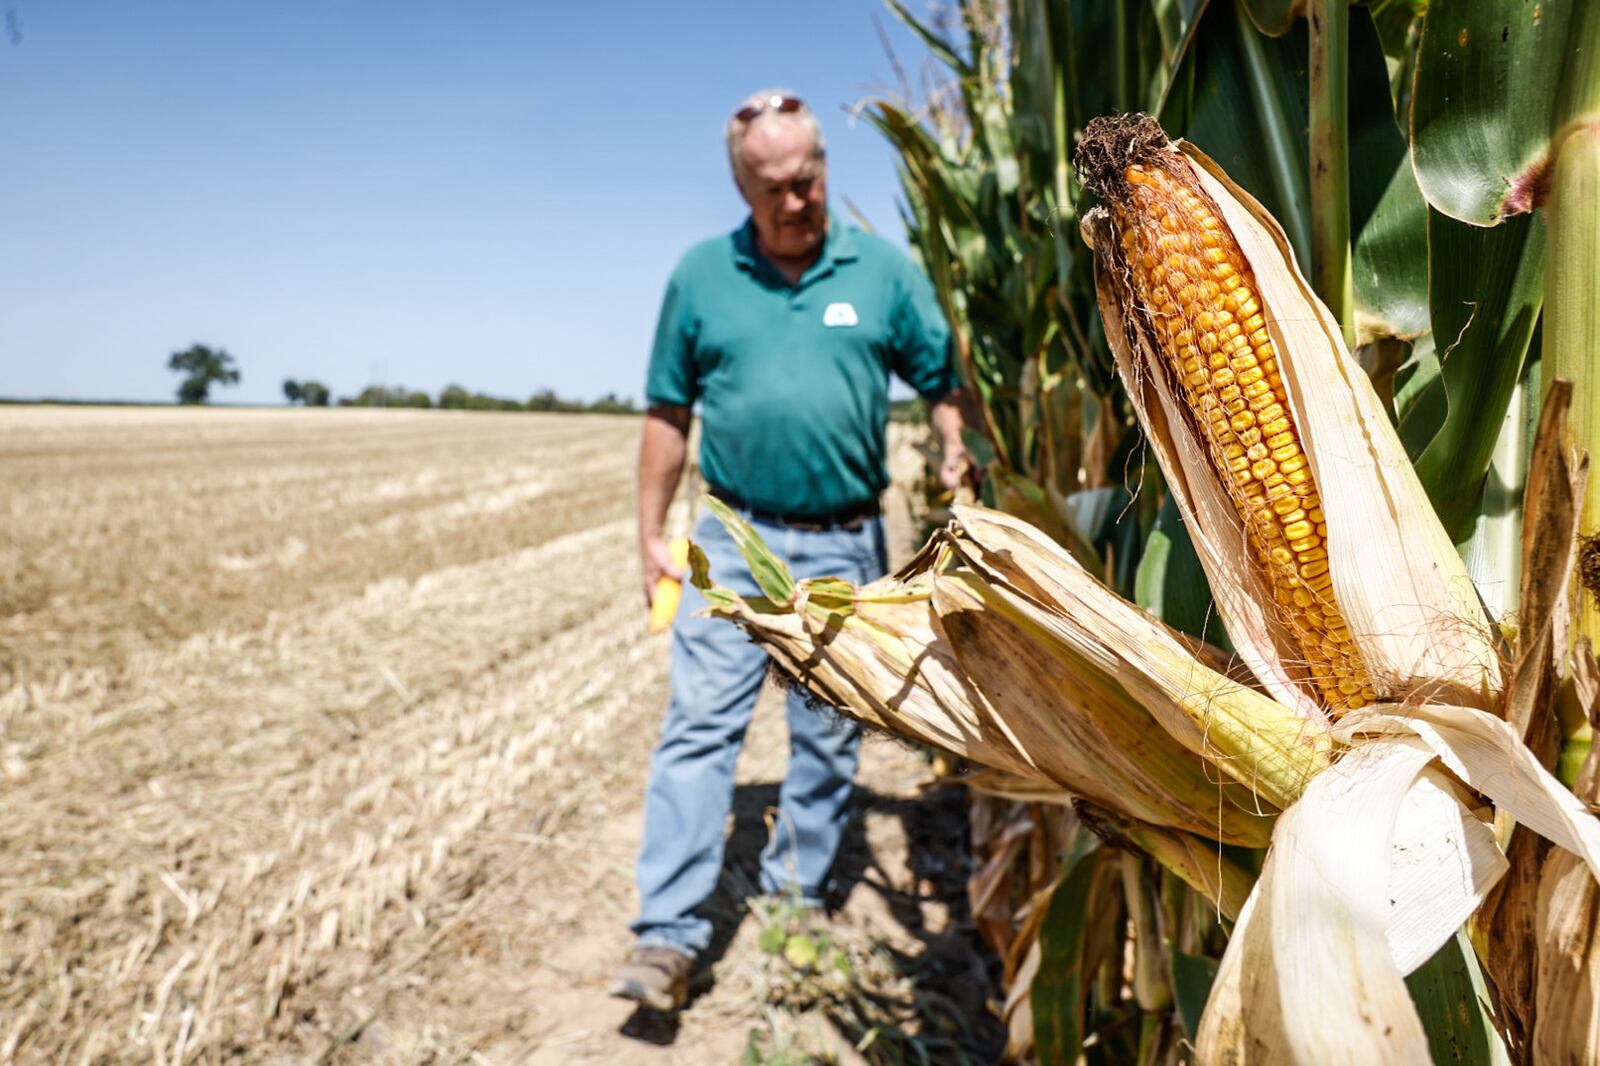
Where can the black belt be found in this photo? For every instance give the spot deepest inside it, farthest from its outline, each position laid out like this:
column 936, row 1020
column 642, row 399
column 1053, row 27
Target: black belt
column 849, row 518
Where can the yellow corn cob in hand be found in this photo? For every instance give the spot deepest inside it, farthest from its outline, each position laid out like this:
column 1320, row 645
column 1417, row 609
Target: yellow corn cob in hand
column 664, row 603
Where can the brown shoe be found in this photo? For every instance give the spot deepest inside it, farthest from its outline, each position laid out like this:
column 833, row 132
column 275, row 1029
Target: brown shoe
column 654, row 977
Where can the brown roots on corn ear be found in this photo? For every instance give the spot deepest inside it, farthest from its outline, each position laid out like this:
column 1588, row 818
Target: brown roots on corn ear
column 1110, row 143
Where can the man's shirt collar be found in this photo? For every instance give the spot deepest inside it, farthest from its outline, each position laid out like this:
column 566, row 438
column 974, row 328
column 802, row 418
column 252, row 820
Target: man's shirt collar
column 839, row 246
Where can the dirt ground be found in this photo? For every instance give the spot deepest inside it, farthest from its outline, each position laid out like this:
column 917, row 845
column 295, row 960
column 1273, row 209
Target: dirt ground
column 323, row 736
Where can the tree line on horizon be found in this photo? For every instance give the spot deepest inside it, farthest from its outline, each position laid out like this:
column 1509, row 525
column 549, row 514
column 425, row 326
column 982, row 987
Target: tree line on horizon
column 456, row 398
column 203, row 366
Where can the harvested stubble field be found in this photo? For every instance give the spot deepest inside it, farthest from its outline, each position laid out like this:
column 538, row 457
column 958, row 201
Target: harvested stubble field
column 322, row 738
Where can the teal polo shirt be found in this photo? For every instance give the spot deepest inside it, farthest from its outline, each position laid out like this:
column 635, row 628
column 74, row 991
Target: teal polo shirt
column 793, row 380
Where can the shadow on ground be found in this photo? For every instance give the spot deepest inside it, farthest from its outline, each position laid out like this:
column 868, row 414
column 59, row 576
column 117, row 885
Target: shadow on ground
column 904, row 876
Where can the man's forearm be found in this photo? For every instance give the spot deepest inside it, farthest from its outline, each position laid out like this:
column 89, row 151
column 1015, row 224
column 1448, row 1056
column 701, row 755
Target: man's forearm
column 947, row 419
column 663, row 446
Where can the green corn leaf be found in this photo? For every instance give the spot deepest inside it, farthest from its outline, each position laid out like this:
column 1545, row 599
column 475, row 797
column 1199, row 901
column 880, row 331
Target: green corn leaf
column 1488, row 287
column 717, row 597
column 771, row 576
column 1192, row 977
column 1453, row 1002
column 936, row 44
column 1032, row 83
column 1390, row 263
column 1419, row 399
column 699, row 567
column 1272, row 17
column 1060, row 988
column 1495, row 82
column 1171, row 584
column 1243, row 98
column 1399, row 24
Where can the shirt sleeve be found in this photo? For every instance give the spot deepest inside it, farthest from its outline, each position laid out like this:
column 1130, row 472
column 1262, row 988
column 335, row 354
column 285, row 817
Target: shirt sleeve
column 672, row 378
column 922, row 350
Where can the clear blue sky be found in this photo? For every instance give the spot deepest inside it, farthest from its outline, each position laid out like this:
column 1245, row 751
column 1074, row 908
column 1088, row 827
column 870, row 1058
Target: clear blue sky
column 489, row 194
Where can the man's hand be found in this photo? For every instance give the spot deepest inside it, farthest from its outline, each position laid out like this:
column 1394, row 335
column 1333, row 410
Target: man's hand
column 662, row 445
column 657, row 559
column 956, row 469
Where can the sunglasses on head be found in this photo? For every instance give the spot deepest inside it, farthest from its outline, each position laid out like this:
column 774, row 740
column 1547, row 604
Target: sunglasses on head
column 783, row 105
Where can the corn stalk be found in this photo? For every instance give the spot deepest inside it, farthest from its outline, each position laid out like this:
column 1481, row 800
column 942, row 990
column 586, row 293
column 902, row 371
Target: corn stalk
column 1330, row 160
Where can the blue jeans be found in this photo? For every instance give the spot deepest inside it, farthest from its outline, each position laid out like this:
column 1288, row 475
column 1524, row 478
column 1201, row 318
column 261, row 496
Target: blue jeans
column 716, row 675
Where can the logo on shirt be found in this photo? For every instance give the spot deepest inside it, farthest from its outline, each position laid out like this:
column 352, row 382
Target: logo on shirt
column 840, row 315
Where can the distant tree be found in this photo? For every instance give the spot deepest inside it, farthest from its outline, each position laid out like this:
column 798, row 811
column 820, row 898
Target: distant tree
column 313, row 394
column 309, row 393
column 202, row 367
column 612, row 404
column 395, row 396
column 543, row 400
column 479, row 401
column 456, row 398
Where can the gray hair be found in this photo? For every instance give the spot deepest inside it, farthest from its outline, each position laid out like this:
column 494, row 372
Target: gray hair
column 733, row 132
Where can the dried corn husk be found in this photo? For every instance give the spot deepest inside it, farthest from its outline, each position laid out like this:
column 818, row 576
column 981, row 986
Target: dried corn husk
column 1566, row 926
column 1325, row 923
column 1369, row 874
column 1081, row 729
column 1247, row 735
column 968, row 663
column 1566, row 1019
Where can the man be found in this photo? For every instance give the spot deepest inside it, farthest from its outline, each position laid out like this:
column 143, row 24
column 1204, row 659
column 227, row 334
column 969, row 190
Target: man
column 785, row 331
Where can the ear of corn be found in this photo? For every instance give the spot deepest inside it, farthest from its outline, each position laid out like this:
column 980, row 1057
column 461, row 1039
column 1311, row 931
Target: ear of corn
column 1217, row 355
column 994, row 647
column 1330, row 569
column 669, row 590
